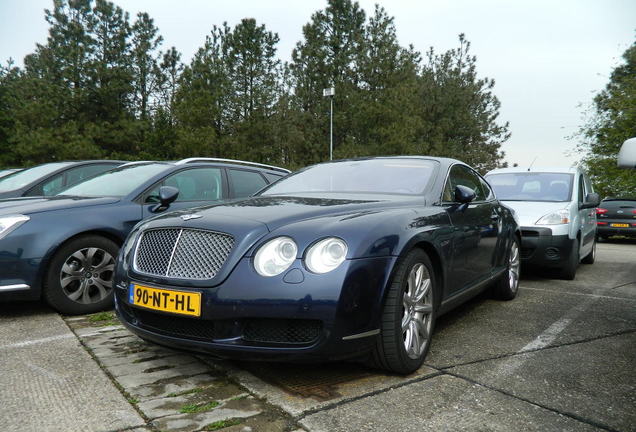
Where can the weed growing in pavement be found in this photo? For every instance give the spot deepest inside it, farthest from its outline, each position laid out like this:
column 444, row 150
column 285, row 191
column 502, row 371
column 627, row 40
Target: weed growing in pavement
column 101, row 316
column 195, row 408
column 222, row 424
column 133, row 400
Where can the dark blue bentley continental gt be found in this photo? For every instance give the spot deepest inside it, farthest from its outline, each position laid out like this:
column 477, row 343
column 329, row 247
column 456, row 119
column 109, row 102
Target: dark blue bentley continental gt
column 345, row 259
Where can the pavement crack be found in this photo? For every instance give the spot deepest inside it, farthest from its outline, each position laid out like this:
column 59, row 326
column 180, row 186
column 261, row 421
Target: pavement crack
column 366, row 395
column 624, row 284
column 537, row 404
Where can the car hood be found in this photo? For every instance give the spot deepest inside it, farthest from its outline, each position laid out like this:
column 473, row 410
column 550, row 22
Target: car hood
column 277, row 211
column 41, row 204
column 529, row 212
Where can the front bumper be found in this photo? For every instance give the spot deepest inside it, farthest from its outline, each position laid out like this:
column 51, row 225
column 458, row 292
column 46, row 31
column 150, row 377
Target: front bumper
column 19, row 273
column 541, row 248
column 304, row 316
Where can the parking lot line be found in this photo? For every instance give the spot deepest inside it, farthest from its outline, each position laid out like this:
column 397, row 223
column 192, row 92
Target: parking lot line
column 37, row 341
column 584, row 294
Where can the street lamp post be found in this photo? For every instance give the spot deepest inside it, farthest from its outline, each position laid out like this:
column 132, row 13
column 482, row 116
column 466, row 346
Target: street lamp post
column 330, row 92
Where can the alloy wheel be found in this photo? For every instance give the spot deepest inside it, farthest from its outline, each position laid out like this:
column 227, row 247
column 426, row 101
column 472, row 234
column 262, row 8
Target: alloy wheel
column 87, row 275
column 417, row 309
column 514, row 264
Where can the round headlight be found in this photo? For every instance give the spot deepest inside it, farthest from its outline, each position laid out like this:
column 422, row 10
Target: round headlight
column 326, row 255
column 275, row 256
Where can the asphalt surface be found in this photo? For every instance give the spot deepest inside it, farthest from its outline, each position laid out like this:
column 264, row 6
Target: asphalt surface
column 561, row 356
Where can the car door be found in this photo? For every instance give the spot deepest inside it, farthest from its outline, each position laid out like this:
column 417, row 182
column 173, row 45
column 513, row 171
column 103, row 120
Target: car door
column 475, row 229
column 587, row 216
column 197, row 186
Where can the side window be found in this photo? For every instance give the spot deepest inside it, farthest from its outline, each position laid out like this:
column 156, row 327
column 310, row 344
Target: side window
column 68, row 178
column 197, row 184
column 488, row 193
column 461, row 175
column 581, row 189
column 272, row 177
column 49, row 187
column 588, row 185
column 245, row 183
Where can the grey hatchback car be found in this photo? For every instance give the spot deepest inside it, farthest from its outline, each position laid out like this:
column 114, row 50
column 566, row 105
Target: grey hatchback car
column 556, row 211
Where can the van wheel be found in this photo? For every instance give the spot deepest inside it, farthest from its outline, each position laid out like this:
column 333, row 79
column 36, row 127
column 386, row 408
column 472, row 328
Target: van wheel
column 569, row 271
column 591, row 257
column 79, row 279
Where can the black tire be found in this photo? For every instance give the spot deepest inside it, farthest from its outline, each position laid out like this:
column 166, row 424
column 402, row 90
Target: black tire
column 390, row 352
column 507, row 286
column 591, row 257
column 569, row 270
column 94, row 293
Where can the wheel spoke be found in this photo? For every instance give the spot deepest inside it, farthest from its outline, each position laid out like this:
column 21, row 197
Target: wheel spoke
column 67, row 269
column 105, row 282
column 408, row 339
column 416, row 339
column 101, row 289
column 79, row 255
column 89, row 256
column 77, row 293
column 106, row 260
column 86, row 298
column 407, row 300
column 423, row 335
column 406, row 319
column 424, row 308
column 67, row 280
column 422, row 290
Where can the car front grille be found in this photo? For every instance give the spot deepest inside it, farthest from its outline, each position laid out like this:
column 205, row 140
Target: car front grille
column 252, row 331
column 182, row 253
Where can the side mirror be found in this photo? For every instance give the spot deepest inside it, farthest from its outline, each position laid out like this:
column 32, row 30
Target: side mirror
column 591, row 200
column 627, row 154
column 464, row 194
column 167, row 195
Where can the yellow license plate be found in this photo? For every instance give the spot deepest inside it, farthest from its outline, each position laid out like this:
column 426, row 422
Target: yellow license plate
column 178, row 302
column 617, row 225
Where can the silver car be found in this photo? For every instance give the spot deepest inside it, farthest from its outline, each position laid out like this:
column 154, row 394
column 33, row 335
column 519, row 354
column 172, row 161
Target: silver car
column 556, row 211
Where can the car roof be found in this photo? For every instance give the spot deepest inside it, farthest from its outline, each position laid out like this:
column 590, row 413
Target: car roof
column 546, row 169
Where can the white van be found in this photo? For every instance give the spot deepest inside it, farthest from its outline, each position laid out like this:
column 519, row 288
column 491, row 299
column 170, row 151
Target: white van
column 556, row 208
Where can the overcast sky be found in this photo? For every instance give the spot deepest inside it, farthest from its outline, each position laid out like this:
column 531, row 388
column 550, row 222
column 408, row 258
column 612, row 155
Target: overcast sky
column 548, row 58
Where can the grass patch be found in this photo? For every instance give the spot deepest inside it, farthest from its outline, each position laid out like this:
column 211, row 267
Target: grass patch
column 239, row 397
column 196, row 408
column 102, row 316
column 186, row 392
column 222, row 424
column 133, row 400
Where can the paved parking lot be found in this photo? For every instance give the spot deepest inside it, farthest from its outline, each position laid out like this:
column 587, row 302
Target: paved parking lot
column 560, row 357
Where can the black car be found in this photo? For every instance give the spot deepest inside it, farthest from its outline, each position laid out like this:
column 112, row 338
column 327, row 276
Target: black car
column 51, row 178
column 352, row 258
column 63, row 248
column 616, row 216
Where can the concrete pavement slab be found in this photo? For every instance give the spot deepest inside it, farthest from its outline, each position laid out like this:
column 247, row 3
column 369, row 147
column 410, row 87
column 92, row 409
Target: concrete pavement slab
column 298, row 388
column 441, row 403
column 593, row 380
column 51, row 383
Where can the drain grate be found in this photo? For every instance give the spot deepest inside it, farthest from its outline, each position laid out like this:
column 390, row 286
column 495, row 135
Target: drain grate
column 320, row 382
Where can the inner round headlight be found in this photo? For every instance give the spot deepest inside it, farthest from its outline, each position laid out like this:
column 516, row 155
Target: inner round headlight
column 326, row 255
column 275, row 256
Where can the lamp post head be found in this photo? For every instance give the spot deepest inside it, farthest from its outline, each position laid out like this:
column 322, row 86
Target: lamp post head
column 329, row 92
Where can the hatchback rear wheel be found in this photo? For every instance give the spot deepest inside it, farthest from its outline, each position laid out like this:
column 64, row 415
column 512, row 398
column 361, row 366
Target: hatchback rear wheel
column 80, row 276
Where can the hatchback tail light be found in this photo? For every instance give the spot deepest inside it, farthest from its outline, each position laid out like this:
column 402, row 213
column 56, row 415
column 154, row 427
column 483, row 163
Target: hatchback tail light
column 601, row 223
column 634, row 211
column 600, row 211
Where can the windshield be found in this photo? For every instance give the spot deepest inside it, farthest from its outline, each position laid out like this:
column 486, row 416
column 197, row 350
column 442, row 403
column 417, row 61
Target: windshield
column 23, row 178
column 381, row 176
column 531, row 186
column 117, row 182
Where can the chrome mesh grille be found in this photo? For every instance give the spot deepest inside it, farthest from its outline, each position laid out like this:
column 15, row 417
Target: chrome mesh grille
column 182, row 253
